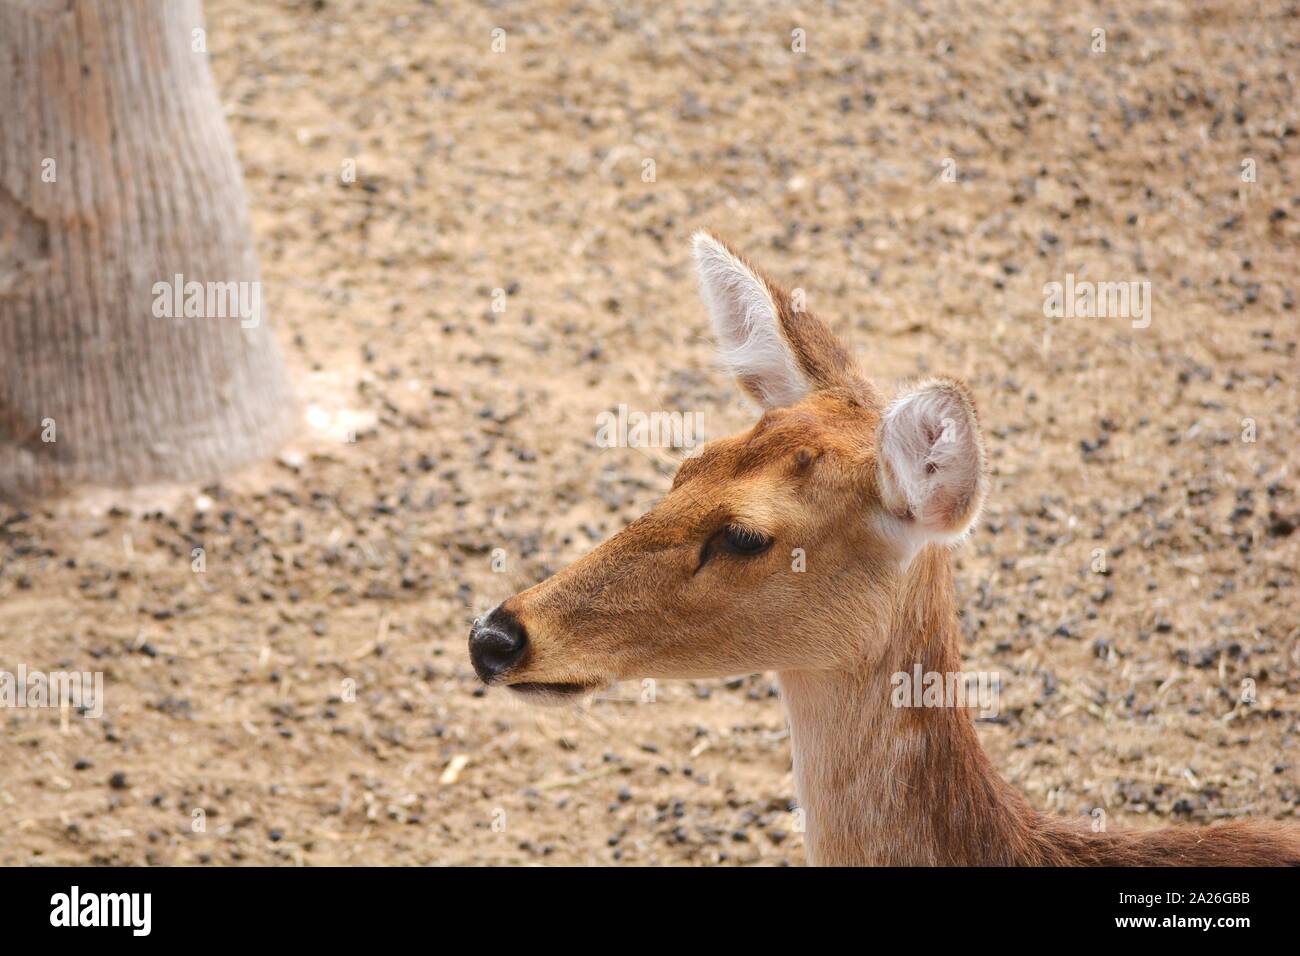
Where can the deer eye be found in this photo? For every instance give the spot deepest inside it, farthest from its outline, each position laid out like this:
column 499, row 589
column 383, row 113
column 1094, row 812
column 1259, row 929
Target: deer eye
column 743, row 541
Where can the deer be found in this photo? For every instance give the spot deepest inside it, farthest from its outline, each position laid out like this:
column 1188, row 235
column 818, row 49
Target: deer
column 876, row 491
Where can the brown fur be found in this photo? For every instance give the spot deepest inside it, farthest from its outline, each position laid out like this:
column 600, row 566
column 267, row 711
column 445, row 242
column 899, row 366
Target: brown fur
column 879, row 784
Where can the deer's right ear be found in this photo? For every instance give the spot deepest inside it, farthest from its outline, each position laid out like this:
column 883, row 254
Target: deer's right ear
column 777, row 353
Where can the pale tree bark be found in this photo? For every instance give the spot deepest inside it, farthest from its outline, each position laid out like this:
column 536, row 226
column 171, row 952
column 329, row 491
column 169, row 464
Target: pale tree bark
column 117, row 174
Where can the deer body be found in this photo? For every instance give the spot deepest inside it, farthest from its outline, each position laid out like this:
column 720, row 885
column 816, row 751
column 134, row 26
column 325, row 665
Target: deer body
column 887, row 786
column 874, row 493
column 884, row 785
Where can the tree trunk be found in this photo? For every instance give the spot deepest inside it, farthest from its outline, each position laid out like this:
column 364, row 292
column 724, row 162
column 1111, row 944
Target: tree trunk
column 117, row 176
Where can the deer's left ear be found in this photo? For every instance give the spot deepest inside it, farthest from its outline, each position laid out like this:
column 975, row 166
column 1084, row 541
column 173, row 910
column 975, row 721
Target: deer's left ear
column 777, row 351
column 933, row 473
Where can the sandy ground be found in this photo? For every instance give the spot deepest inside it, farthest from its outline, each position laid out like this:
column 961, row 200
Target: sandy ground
column 307, row 698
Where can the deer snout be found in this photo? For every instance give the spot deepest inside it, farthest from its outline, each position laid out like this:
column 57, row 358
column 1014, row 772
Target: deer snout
column 497, row 644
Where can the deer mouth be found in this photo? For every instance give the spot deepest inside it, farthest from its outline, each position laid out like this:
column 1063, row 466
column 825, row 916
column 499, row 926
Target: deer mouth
column 542, row 693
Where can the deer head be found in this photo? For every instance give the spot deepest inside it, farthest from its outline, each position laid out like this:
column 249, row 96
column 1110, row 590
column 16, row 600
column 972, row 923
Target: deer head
column 784, row 547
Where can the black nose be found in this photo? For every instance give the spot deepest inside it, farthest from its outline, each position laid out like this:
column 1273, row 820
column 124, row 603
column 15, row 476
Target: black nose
column 496, row 643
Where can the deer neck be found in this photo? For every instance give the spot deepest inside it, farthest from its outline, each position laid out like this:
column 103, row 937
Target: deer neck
column 881, row 784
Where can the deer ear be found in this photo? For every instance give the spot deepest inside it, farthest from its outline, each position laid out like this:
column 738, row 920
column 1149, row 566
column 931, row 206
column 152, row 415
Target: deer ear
column 746, row 325
column 777, row 352
column 933, row 473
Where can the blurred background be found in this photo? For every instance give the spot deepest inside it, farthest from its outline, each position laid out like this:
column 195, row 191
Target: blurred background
column 472, row 243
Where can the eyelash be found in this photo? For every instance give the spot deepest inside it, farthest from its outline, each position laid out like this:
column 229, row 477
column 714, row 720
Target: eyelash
column 744, row 541
column 737, row 541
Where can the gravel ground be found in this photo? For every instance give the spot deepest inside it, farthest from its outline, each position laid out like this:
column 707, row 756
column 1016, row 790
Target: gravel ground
column 921, row 170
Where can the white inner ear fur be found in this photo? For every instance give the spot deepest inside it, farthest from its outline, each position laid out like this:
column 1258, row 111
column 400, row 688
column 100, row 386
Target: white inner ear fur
column 931, row 465
column 746, row 325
